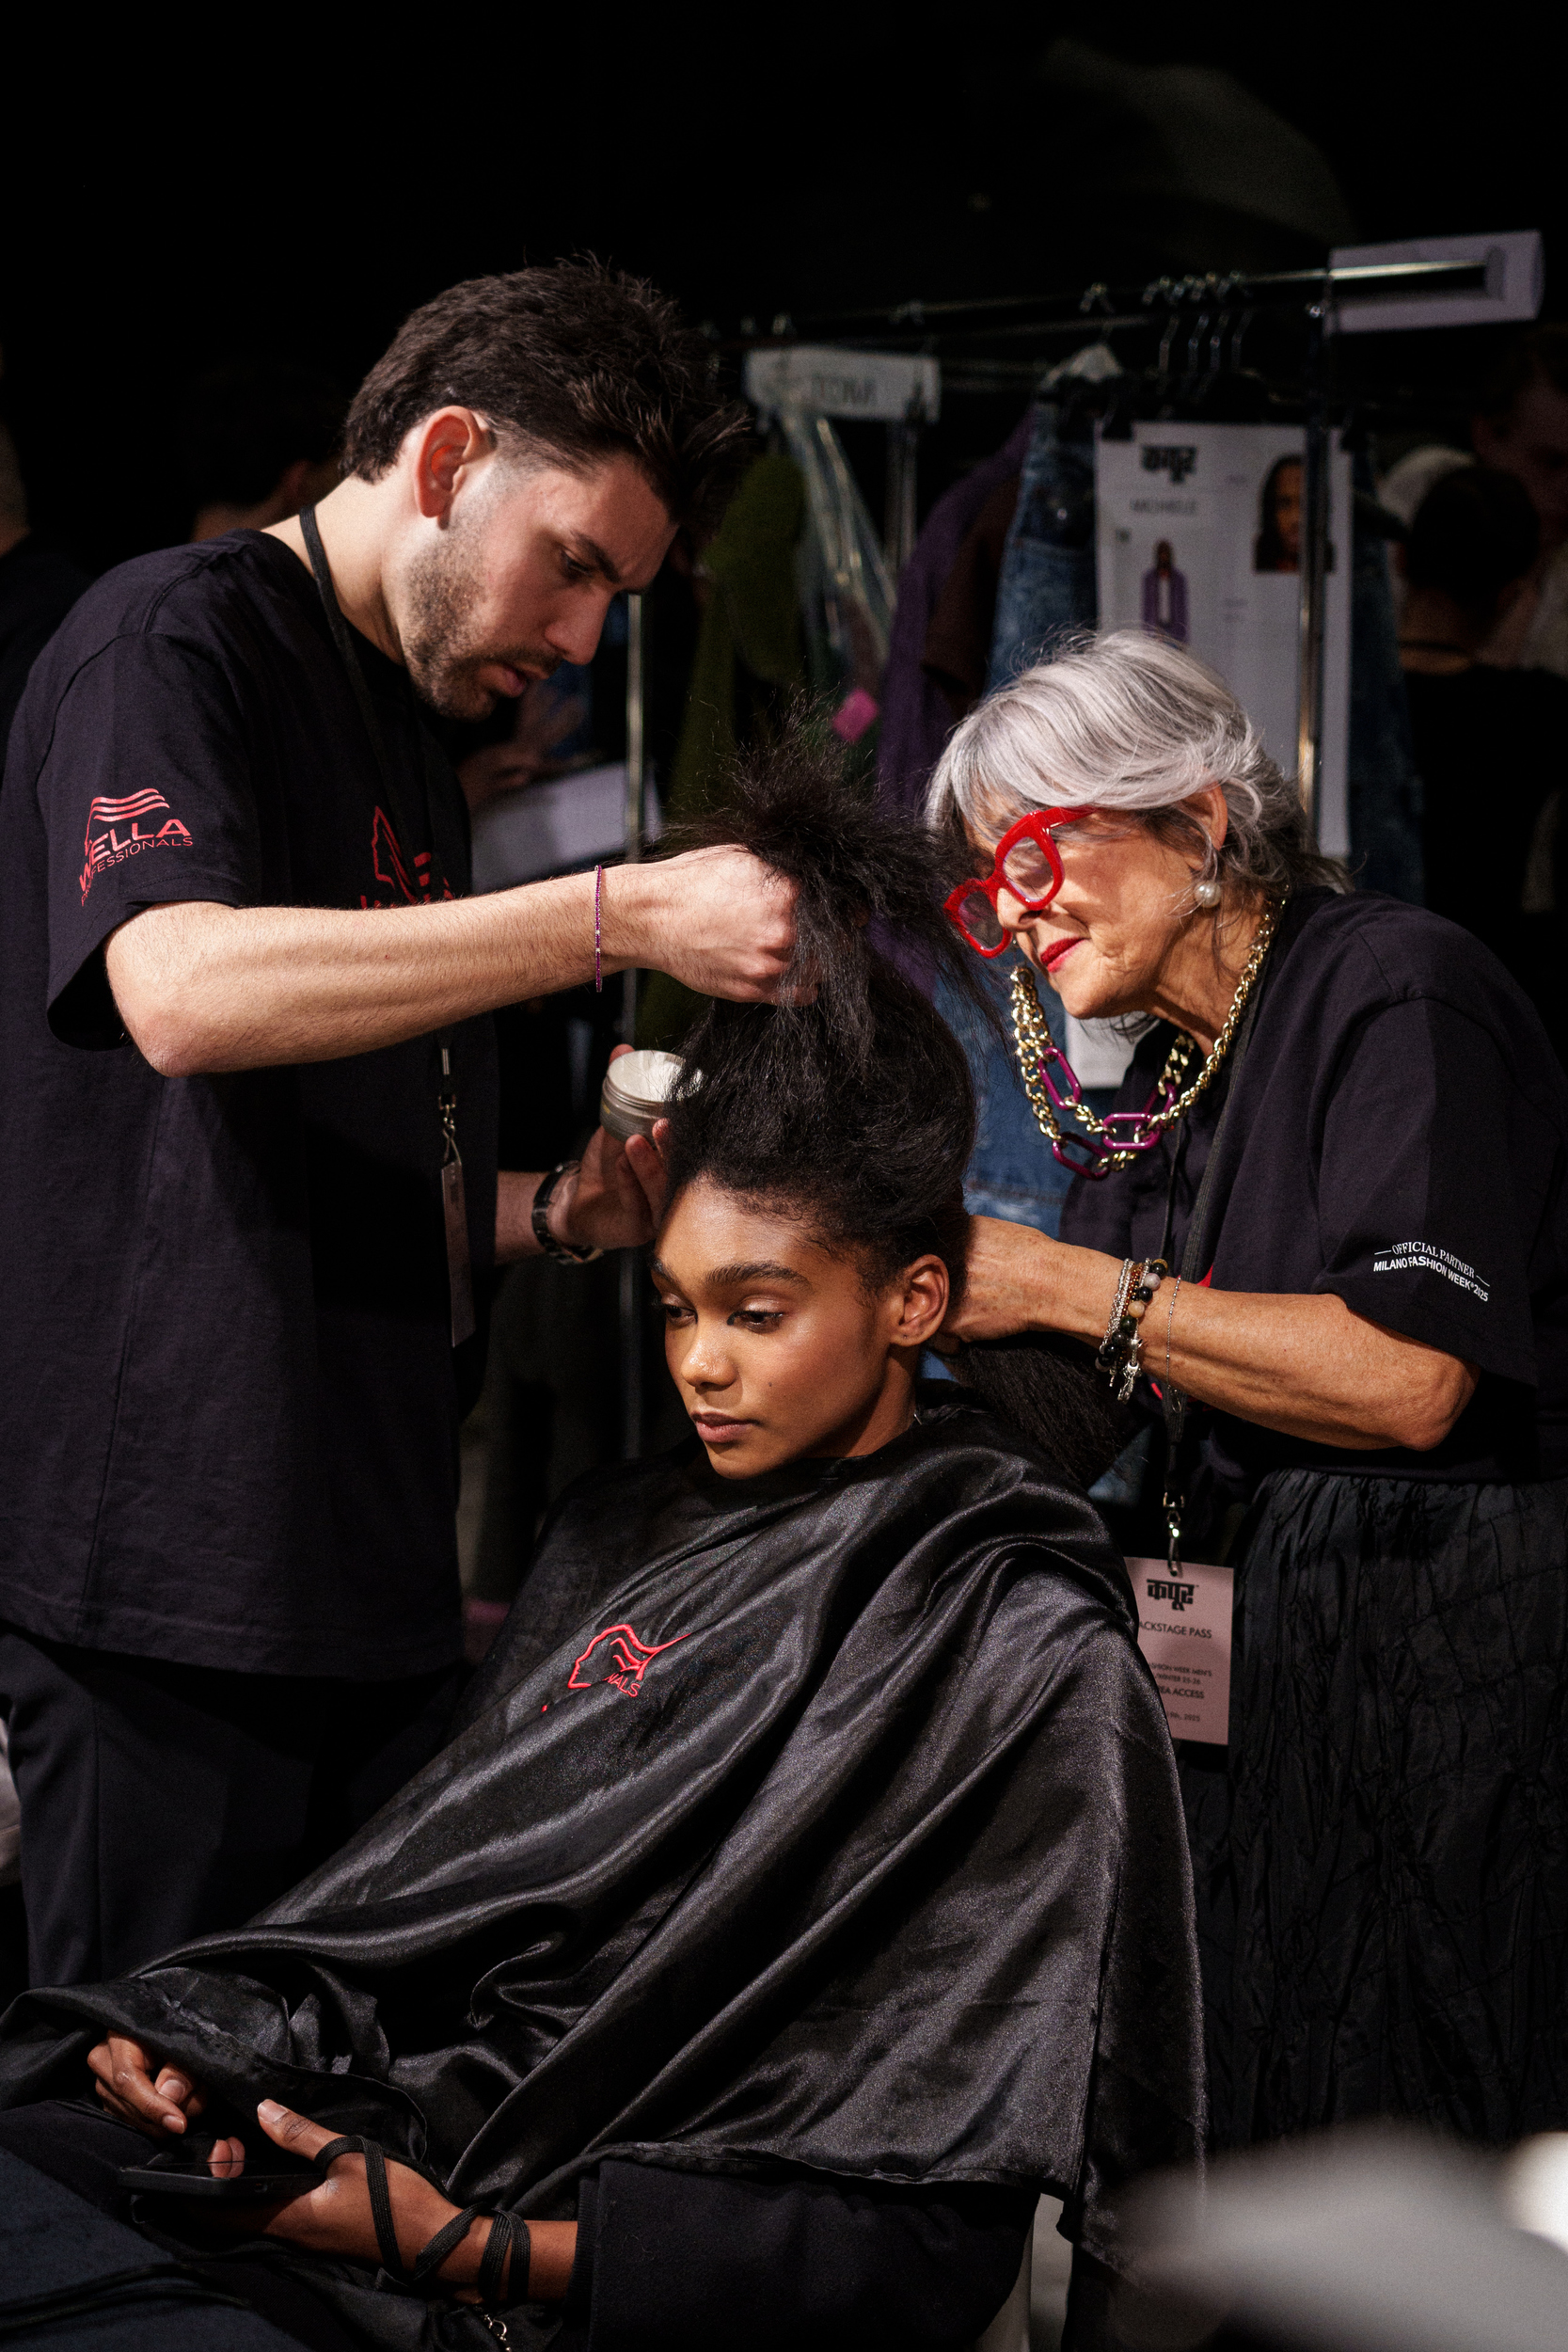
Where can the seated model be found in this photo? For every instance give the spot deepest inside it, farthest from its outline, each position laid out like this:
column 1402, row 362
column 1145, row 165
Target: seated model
column 803, row 1889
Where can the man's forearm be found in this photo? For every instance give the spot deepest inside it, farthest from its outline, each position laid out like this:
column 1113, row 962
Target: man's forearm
column 205, row 988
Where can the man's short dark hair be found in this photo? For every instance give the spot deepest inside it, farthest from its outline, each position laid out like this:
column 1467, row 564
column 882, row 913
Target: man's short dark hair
column 1539, row 356
column 579, row 361
column 1474, row 533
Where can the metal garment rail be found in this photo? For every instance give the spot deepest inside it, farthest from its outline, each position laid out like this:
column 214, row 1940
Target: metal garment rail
column 1311, row 294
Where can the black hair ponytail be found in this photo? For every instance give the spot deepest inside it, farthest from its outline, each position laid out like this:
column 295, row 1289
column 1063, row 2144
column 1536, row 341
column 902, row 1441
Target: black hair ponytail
column 855, row 1111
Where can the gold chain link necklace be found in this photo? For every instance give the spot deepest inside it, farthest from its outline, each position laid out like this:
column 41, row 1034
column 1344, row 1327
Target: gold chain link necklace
column 1119, row 1139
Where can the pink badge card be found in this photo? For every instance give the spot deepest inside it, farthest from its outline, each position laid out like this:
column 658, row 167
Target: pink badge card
column 1184, row 1632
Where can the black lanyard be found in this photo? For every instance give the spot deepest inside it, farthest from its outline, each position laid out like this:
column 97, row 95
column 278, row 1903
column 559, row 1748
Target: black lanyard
column 454, row 1205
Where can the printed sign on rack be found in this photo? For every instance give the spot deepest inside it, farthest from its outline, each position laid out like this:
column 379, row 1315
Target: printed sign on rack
column 1200, row 540
column 1184, row 1632
column 885, row 385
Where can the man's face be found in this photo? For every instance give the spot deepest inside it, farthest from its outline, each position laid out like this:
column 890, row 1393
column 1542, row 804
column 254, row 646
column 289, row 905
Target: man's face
column 519, row 574
column 1532, row 444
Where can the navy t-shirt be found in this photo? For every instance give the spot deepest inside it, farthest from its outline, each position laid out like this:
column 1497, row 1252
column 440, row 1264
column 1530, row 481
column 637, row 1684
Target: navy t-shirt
column 1399, row 1138
column 230, row 1398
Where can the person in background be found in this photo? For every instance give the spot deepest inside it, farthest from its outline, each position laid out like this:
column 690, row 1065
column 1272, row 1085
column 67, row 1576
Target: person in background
column 259, row 438
column 1491, row 737
column 38, row 587
column 1520, row 427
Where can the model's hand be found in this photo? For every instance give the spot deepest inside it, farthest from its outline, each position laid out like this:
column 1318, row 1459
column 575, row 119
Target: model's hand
column 719, row 920
column 157, row 2099
column 335, row 2217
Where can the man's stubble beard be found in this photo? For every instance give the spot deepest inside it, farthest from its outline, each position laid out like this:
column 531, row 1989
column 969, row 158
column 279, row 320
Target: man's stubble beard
column 439, row 644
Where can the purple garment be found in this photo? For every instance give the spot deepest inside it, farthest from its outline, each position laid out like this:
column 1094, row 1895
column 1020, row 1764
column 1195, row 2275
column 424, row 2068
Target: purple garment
column 916, row 716
column 1172, row 621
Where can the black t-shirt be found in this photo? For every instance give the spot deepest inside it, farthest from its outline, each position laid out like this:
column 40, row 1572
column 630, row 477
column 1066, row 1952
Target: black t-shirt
column 229, row 1429
column 1399, row 1138
column 38, row 587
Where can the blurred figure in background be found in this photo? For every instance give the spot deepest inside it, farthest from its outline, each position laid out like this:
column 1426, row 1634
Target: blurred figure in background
column 1491, row 735
column 259, row 438
column 38, row 587
column 1520, row 427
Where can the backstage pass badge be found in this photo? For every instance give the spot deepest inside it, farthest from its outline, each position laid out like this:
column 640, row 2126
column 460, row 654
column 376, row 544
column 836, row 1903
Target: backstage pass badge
column 1184, row 1633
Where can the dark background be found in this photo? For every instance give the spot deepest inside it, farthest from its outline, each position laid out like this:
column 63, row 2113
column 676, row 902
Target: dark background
column 171, row 203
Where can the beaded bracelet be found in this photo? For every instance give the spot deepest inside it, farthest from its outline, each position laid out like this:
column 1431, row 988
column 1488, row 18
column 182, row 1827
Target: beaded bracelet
column 1121, row 1355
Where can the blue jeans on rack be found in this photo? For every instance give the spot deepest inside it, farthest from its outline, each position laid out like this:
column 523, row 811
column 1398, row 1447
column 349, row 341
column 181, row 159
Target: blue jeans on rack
column 1048, row 583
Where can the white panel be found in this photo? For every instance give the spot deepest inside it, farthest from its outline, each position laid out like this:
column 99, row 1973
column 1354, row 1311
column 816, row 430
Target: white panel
column 1515, row 281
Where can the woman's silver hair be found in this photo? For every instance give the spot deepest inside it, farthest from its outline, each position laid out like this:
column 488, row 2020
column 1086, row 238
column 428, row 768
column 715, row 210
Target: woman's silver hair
column 1128, row 720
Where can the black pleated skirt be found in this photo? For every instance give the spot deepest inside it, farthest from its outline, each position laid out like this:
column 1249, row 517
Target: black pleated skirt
column 1380, row 1859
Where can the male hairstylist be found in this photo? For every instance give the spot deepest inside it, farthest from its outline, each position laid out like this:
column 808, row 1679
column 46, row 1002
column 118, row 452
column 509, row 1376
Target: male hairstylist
column 247, row 1143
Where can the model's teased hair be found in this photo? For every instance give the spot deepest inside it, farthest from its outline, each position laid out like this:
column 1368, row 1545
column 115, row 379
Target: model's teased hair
column 574, row 362
column 854, row 1114
column 1131, row 721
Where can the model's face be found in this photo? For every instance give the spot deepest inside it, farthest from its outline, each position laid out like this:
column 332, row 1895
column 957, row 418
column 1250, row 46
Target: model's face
column 1106, row 940
column 778, row 1349
column 517, row 576
column 1533, row 446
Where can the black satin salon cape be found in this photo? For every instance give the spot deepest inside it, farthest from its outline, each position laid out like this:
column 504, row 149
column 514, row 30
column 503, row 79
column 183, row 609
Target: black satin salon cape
column 822, row 1824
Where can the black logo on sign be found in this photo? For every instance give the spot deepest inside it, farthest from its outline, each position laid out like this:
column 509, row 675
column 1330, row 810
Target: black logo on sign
column 1175, row 458
column 1178, row 1595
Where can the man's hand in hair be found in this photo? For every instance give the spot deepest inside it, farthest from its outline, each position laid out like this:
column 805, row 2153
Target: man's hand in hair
column 157, row 2099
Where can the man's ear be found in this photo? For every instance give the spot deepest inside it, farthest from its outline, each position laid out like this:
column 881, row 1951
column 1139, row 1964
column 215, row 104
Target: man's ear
column 924, row 1292
column 443, row 446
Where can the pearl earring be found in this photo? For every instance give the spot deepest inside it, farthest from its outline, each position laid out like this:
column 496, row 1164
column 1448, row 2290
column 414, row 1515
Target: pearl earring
column 1207, row 894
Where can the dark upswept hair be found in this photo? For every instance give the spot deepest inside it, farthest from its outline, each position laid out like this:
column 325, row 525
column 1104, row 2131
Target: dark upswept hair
column 1475, row 533
column 576, row 361
column 855, row 1114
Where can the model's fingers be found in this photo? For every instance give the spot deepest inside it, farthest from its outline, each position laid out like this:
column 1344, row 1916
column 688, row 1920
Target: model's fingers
column 123, row 2070
column 288, row 2130
column 226, row 2159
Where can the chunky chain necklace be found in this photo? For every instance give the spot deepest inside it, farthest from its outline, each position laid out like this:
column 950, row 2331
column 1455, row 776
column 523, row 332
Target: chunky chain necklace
column 1117, row 1140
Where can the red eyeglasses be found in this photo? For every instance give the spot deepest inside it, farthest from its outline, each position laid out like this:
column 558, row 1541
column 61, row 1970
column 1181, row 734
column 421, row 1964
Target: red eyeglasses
column 1028, row 865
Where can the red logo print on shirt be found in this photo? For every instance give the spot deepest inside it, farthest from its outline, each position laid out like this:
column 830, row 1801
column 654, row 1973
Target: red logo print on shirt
column 391, row 873
column 624, row 1661
column 125, row 835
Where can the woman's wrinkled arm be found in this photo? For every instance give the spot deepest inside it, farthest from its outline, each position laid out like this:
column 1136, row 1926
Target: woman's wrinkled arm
column 1306, row 1366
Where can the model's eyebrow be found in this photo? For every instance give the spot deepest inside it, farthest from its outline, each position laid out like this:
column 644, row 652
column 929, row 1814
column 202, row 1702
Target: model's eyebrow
column 756, row 1270
column 597, row 557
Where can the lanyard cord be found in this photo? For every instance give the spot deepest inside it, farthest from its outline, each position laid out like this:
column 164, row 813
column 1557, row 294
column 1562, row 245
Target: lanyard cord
column 454, row 1200
column 348, row 653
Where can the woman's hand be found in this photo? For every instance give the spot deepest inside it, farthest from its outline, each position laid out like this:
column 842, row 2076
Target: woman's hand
column 1018, row 1279
column 158, row 2104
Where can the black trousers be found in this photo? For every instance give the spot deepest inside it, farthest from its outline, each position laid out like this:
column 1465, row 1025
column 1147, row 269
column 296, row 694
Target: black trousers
column 83, row 2150
column 161, row 1802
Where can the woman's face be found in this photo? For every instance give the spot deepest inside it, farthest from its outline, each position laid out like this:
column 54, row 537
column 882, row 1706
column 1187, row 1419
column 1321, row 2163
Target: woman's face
column 1106, row 941
column 778, row 1348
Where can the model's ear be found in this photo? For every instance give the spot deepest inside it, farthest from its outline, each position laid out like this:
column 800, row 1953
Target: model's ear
column 923, row 1302
column 440, row 448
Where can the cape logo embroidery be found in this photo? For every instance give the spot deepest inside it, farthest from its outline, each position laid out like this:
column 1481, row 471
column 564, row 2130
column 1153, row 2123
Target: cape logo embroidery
column 624, row 1661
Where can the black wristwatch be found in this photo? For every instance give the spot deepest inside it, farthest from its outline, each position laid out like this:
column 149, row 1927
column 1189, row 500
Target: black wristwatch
column 562, row 1250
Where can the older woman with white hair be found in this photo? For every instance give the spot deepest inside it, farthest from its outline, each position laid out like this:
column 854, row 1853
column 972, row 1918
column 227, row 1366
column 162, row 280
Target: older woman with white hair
column 1323, row 1236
